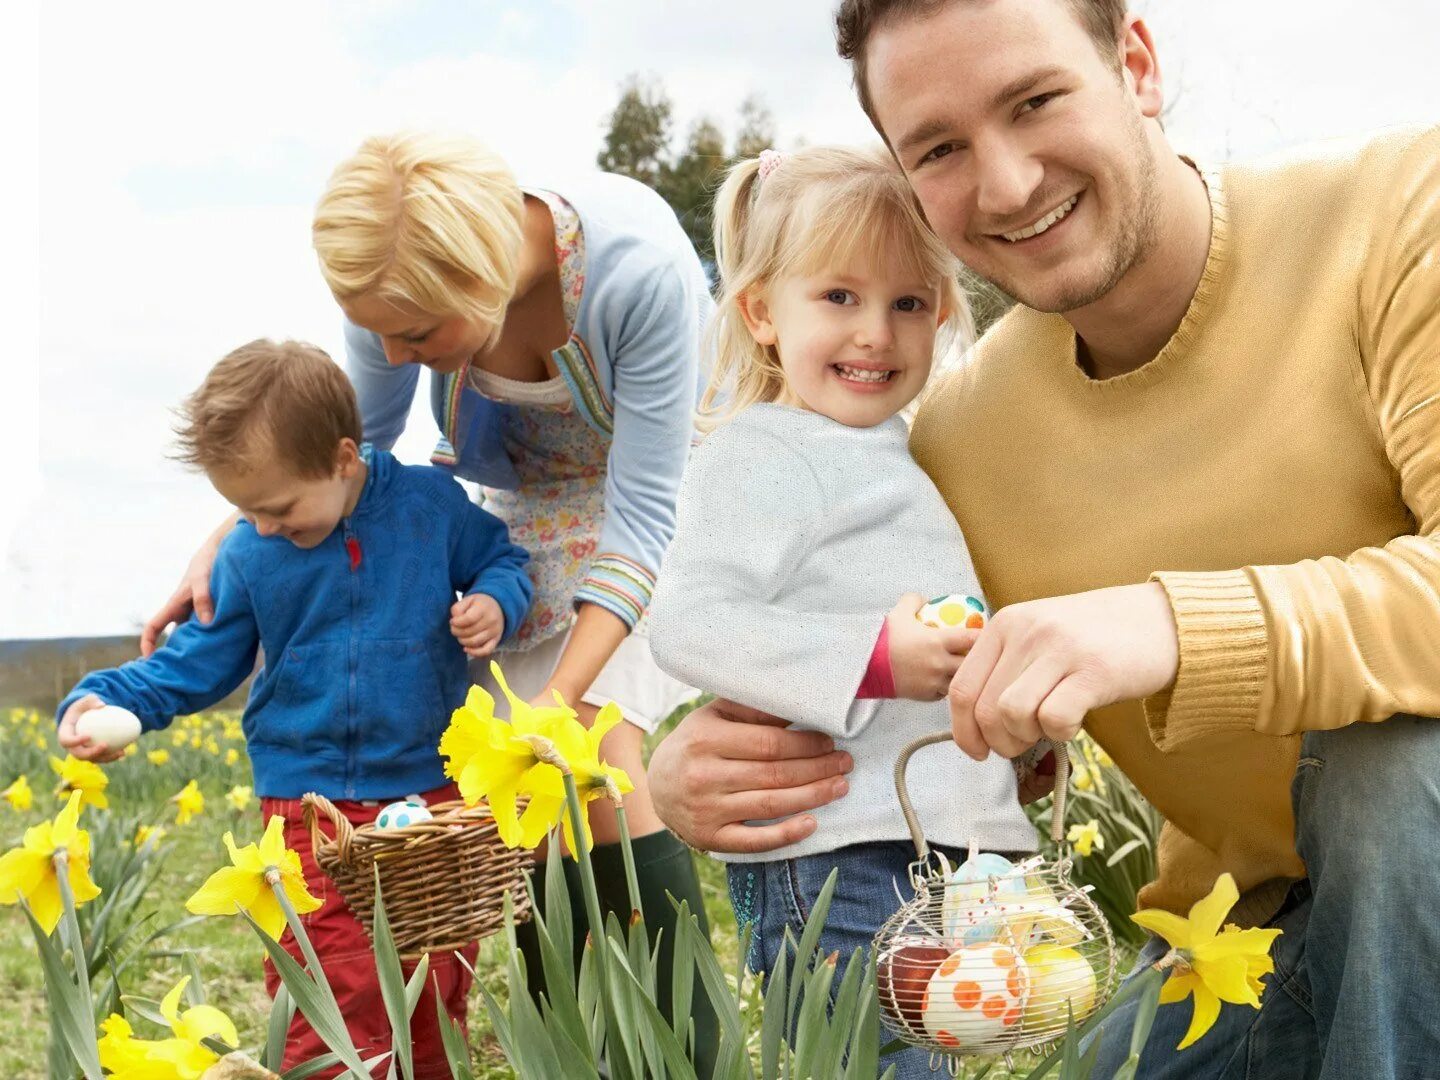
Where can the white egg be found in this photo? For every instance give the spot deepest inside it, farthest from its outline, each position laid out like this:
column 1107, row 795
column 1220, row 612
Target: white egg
column 977, row 997
column 117, row 728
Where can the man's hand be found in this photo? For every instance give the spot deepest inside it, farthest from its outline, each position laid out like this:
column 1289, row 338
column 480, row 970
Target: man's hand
column 1039, row 667
column 477, row 623
column 923, row 659
column 725, row 764
column 82, row 746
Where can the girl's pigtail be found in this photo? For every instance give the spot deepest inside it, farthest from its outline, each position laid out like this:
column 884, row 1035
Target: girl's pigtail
column 727, row 340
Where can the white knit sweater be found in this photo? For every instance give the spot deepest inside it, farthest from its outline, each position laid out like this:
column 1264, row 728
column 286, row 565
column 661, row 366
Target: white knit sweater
column 795, row 537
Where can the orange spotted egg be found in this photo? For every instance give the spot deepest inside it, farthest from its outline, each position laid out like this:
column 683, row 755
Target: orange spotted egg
column 977, row 996
column 957, row 609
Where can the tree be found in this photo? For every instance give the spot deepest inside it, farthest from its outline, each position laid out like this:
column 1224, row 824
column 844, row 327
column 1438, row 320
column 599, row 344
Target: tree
column 688, row 183
column 757, row 128
column 637, row 137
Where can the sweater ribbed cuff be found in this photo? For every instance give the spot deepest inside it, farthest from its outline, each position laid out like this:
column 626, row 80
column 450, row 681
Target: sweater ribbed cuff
column 620, row 585
column 1223, row 655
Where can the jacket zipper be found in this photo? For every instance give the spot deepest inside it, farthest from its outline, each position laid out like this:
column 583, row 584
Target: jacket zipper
column 352, row 552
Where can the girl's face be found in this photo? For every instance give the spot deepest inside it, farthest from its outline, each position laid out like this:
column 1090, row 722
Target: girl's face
column 855, row 342
column 410, row 336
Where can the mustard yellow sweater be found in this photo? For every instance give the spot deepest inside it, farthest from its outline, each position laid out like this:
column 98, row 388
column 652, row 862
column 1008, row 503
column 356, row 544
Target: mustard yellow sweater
column 1276, row 467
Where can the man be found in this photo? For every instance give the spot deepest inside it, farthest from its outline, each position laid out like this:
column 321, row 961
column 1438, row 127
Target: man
column 1199, row 470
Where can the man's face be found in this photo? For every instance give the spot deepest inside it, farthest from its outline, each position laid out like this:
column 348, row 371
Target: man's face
column 1025, row 147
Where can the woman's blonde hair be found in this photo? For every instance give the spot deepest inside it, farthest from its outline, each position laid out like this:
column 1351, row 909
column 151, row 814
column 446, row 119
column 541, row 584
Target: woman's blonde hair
column 819, row 207
column 431, row 220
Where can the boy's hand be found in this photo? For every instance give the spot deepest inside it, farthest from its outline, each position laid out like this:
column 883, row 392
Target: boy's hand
column 923, row 659
column 82, row 746
column 477, row 623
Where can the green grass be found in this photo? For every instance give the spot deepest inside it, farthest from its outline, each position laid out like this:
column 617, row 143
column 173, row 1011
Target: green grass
column 226, row 949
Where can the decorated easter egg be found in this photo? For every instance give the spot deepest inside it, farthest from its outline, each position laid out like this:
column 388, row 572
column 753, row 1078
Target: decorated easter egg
column 400, row 814
column 977, row 896
column 902, row 972
column 976, row 996
column 1062, row 983
column 956, row 609
column 117, row 728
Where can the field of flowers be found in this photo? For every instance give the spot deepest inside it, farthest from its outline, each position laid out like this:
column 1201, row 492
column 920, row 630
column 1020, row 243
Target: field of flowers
column 172, row 798
column 154, row 823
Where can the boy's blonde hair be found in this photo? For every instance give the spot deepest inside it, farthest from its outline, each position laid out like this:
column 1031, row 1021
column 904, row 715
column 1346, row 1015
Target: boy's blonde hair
column 819, row 207
column 431, row 220
column 266, row 401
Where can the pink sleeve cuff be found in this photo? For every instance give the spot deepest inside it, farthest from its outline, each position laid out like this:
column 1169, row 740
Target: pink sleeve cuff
column 879, row 680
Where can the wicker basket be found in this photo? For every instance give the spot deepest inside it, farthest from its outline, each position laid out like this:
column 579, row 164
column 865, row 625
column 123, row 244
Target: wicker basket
column 445, row 880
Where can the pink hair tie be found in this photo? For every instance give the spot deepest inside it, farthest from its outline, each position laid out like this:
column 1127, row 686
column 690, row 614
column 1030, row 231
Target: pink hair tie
column 769, row 161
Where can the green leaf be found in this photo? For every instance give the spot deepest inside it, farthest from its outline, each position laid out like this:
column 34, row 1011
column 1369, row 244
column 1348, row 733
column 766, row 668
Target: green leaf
column 72, row 1015
column 676, row 1061
column 416, row 986
column 864, row 1060
column 282, row 1011
column 810, row 1028
column 392, row 984
column 457, row 1053
column 773, row 1033
column 810, row 937
column 195, row 988
column 1144, row 1018
column 682, row 977
column 317, row 1005
column 713, row 979
column 842, row 1016
column 530, row 1036
column 1123, row 850
column 309, row 1068
column 558, row 915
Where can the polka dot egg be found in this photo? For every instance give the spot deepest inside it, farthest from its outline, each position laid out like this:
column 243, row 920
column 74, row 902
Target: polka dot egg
column 953, row 610
column 977, row 996
column 399, row 815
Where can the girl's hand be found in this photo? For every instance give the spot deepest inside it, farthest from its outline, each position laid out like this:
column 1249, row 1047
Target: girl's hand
column 477, row 623
column 923, row 659
column 82, row 746
column 193, row 592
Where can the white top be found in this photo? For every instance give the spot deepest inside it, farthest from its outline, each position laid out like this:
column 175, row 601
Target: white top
column 518, row 392
column 795, row 537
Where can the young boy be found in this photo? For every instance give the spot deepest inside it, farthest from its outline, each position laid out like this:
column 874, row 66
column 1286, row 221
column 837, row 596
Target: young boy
column 344, row 570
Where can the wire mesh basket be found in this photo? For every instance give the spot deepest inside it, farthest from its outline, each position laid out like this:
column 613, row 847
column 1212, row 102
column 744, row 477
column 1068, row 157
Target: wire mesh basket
column 991, row 956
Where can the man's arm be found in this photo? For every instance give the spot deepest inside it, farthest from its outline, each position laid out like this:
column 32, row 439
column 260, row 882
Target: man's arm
column 724, row 765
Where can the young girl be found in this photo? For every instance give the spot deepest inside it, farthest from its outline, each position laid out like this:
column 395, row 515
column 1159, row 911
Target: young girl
column 802, row 517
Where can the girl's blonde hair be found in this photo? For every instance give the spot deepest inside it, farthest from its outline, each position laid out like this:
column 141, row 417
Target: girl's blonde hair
column 819, row 207
column 431, row 220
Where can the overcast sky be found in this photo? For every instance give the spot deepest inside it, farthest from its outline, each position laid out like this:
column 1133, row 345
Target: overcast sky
column 175, row 151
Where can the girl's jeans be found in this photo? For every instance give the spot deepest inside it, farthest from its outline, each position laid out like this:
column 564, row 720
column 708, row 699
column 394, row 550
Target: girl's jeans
column 770, row 896
column 1355, row 994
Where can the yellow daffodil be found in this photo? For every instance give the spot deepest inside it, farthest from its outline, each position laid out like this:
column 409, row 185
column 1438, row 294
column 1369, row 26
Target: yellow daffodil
column 178, row 738
column 83, row 776
column 188, row 801
column 158, row 757
column 19, row 795
column 232, row 756
column 121, row 1054
column 243, row 884
column 580, row 747
column 182, row 1057
column 30, row 871
column 239, row 797
column 1086, row 838
column 211, row 746
column 493, row 760
column 1213, row 964
column 41, row 742
column 148, row 832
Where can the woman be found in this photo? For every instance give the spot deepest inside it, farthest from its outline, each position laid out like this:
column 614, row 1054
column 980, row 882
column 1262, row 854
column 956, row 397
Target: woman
column 561, row 330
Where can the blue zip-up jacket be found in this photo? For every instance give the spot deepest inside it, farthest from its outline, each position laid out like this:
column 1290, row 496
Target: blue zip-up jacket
column 361, row 671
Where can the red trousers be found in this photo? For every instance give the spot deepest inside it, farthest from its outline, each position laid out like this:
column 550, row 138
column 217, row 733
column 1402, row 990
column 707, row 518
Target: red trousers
column 349, row 961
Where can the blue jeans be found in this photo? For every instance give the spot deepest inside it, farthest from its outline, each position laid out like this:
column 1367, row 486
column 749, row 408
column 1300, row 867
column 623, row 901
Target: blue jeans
column 1356, row 990
column 770, row 896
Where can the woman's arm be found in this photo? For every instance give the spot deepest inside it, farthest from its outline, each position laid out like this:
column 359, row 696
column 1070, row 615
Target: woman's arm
column 596, row 635
column 193, row 592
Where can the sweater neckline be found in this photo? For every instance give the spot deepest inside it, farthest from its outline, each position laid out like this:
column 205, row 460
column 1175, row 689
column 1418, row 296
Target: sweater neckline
column 1178, row 347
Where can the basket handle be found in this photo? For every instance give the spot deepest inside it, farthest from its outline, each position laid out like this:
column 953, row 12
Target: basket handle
column 312, row 806
column 922, row 849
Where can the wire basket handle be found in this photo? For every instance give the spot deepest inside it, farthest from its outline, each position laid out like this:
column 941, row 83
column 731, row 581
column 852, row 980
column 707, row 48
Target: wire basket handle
column 313, row 806
column 922, row 849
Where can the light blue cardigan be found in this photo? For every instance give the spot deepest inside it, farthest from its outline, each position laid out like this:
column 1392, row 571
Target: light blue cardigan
column 633, row 367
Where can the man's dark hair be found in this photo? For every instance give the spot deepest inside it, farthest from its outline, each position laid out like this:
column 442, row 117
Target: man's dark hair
column 856, row 20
